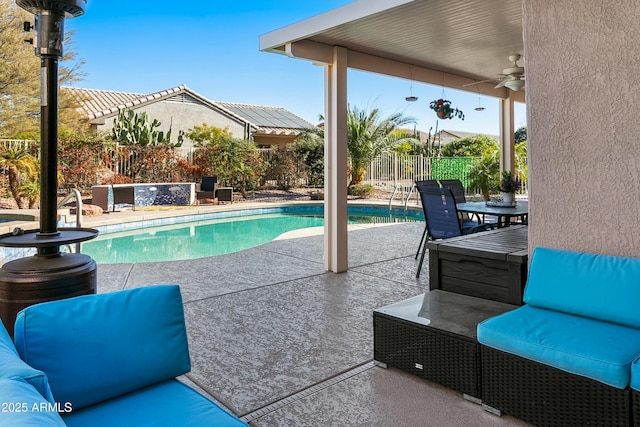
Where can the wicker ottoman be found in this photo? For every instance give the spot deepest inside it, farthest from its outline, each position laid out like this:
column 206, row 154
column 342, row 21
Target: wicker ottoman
column 433, row 336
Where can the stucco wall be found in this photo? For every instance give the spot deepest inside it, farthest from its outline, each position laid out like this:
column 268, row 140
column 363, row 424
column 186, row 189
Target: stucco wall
column 185, row 116
column 583, row 106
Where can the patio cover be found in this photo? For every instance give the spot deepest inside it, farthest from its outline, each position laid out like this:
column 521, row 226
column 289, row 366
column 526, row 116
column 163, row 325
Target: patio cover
column 448, row 44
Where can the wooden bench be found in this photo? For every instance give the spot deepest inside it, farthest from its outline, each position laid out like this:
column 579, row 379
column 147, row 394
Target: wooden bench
column 490, row 265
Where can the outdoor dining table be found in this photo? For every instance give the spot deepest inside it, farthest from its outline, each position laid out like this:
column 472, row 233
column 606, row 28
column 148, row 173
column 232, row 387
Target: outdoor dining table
column 503, row 213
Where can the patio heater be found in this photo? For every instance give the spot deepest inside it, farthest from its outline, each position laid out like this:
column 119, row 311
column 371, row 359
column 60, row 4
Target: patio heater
column 50, row 274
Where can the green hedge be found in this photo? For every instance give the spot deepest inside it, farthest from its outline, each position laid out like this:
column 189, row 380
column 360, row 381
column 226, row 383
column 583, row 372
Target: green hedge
column 452, row 168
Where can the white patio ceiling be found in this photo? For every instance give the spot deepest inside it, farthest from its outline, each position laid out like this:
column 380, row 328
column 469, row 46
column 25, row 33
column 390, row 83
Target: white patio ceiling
column 449, row 43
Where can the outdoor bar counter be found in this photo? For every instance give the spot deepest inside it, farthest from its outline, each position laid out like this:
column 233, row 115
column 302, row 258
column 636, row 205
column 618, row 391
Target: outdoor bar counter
column 108, row 197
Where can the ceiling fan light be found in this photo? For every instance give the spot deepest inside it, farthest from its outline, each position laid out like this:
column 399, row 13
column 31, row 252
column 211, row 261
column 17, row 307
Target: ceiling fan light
column 515, row 85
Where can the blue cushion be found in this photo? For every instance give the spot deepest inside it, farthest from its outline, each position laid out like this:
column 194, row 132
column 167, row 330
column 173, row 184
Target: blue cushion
column 24, row 406
column 96, row 347
column 597, row 286
column 590, row 348
column 635, row 374
column 169, row 403
column 11, row 366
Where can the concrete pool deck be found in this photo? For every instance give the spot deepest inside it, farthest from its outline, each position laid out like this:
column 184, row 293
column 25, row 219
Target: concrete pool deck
column 281, row 342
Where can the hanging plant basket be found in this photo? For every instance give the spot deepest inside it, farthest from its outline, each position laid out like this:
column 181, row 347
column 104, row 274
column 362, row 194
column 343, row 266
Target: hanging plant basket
column 444, row 110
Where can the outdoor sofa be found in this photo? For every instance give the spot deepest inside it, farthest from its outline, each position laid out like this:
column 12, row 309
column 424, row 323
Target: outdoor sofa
column 635, row 392
column 103, row 360
column 565, row 357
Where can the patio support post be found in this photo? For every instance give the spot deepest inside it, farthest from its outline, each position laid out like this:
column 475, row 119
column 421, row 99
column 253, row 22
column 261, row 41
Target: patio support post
column 507, row 135
column 335, row 155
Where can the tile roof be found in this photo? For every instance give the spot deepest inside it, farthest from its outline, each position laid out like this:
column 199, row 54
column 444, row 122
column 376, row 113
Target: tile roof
column 265, row 120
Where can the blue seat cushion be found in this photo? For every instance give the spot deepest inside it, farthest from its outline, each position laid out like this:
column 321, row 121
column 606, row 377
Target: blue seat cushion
column 591, row 285
column 635, row 374
column 169, row 403
column 590, row 348
column 23, row 405
column 96, row 347
column 11, row 366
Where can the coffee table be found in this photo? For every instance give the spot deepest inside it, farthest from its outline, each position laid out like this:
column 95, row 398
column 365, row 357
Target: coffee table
column 433, row 336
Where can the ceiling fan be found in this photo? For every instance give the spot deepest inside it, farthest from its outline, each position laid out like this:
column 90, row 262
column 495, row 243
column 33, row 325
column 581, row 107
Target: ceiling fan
column 512, row 77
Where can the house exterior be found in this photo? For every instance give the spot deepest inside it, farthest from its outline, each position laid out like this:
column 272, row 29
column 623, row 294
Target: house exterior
column 181, row 109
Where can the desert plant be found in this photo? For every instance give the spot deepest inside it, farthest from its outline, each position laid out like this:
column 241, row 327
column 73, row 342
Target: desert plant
column 368, row 134
column 131, row 128
column 20, row 166
column 30, row 190
column 363, row 191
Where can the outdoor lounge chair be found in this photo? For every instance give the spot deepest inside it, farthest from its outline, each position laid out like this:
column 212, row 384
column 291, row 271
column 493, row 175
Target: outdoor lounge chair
column 442, row 218
column 208, row 188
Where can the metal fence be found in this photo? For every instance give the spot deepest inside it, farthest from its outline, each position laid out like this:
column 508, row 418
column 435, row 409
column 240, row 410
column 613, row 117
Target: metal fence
column 385, row 171
column 389, row 169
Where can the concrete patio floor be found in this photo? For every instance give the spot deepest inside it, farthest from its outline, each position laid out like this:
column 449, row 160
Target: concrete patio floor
column 280, row 342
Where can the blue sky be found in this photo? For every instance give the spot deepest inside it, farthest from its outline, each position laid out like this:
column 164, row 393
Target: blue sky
column 212, row 47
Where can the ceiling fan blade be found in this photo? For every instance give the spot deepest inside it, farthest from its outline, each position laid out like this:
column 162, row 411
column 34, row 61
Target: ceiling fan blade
column 501, row 84
column 481, row 81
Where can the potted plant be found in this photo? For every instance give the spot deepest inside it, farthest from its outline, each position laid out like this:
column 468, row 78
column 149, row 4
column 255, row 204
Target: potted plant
column 508, row 187
column 444, row 110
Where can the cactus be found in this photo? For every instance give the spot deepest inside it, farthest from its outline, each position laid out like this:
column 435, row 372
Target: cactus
column 131, row 128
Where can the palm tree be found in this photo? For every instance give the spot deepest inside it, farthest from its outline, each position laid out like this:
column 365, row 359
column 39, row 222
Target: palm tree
column 485, row 172
column 18, row 163
column 368, row 135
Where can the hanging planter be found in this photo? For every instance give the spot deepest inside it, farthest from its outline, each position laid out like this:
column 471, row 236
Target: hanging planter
column 444, row 110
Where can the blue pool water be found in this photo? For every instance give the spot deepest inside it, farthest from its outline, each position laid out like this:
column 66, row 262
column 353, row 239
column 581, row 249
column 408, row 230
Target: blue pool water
column 216, row 234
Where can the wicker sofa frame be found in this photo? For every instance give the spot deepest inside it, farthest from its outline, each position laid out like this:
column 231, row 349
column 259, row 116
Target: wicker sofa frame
column 546, row 396
column 635, row 407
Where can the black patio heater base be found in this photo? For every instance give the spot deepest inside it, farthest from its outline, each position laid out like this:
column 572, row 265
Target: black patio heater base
column 27, row 281
column 49, row 275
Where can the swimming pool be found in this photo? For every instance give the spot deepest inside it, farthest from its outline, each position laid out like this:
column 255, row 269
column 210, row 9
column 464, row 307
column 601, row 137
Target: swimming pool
column 198, row 236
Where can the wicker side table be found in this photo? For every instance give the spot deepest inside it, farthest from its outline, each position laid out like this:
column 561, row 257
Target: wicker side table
column 433, row 336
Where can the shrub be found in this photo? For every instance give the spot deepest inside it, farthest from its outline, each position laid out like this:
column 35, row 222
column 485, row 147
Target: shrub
column 361, row 191
column 310, row 148
column 282, row 168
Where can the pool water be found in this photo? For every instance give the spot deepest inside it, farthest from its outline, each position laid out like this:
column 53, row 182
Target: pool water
column 198, row 239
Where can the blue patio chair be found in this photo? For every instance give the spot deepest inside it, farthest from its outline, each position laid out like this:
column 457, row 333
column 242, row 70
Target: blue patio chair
column 456, row 187
column 423, row 184
column 442, row 217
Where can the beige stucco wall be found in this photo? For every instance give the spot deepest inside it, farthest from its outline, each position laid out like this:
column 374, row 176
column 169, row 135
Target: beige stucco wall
column 185, row 116
column 583, row 106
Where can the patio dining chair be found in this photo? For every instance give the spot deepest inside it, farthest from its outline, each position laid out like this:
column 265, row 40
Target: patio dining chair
column 459, row 194
column 423, row 184
column 442, row 218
